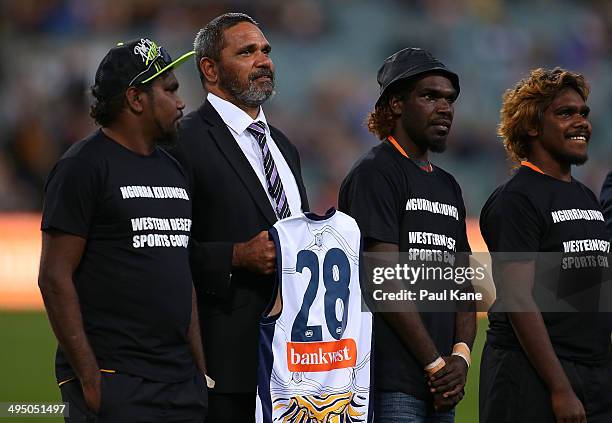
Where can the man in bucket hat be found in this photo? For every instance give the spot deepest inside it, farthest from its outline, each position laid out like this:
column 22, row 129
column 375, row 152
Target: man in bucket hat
column 114, row 270
column 421, row 359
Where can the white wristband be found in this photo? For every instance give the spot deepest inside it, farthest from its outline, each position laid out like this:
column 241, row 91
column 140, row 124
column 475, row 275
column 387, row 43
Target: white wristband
column 467, row 360
column 462, row 350
column 434, row 366
column 458, row 344
column 434, row 363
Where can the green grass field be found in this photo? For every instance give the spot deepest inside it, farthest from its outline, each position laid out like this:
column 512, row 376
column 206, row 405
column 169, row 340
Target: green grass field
column 27, row 351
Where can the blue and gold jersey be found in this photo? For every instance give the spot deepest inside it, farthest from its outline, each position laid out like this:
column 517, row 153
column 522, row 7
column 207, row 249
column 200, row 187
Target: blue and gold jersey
column 314, row 354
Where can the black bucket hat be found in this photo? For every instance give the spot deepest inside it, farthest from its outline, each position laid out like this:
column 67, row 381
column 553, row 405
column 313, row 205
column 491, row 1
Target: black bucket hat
column 132, row 63
column 409, row 63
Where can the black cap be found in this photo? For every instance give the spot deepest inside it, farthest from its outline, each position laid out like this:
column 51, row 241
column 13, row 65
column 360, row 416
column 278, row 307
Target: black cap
column 408, row 63
column 132, row 63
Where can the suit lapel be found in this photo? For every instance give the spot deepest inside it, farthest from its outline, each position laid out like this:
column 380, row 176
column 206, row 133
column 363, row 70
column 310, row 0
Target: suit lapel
column 282, row 144
column 284, row 151
column 234, row 155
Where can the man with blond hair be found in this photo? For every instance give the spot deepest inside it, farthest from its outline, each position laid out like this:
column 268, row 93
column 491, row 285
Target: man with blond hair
column 541, row 362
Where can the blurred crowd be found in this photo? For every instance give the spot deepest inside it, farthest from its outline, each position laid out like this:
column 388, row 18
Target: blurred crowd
column 326, row 55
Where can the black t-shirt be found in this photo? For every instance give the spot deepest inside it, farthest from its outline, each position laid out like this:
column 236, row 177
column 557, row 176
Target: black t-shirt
column 395, row 201
column 133, row 281
column 534, row 212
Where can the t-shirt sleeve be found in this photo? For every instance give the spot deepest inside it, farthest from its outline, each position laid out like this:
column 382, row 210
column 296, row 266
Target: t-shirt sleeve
column 463, row 244
column 70, row 197
column 519, row 228
column 371, row 199
column 606, row 202
column 463, row 250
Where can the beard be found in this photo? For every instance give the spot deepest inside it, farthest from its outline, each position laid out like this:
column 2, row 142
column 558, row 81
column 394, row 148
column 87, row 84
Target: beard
column 423, row 135
column 437, row 145
column 570, row 159
column 167, row 137
column 249, row 93
column 565, row 156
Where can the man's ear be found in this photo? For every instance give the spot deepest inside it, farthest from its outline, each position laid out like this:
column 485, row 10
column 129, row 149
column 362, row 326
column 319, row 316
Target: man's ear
column 209, row 69
column 135, row 99
column 533, row 131
column 396, row 104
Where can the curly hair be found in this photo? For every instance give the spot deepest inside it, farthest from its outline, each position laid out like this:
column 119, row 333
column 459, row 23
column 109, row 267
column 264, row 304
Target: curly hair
column 381, row 120
column 106, row 108
column 523, row 106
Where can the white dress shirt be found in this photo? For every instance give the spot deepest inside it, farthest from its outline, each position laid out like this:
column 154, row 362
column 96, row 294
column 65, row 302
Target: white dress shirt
column 237, row 120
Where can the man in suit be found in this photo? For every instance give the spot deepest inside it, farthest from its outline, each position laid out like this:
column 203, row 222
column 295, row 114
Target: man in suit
column 245, row 176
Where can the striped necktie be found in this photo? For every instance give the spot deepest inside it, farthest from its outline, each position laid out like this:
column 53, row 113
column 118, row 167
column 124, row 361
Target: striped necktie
column 275, row 185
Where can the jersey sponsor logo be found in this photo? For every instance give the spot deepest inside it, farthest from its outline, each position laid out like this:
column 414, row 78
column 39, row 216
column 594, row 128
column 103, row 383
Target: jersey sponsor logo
column 422, row 204
column 330, row 408
column 321, row 356
column 144, row 191
column 576, row 214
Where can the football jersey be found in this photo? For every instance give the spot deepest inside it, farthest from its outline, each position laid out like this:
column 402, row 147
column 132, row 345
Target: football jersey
column 314, row 356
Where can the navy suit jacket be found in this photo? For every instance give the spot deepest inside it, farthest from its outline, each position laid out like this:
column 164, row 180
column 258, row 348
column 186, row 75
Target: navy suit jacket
column 229, row 206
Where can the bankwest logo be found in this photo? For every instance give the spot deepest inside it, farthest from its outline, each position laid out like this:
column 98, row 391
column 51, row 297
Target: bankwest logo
column 321, row 356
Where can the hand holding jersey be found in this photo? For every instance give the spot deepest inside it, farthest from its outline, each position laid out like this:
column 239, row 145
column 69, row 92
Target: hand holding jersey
column 256, row 255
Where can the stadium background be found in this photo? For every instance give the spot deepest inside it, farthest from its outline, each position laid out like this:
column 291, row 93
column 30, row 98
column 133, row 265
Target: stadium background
column 326, row 55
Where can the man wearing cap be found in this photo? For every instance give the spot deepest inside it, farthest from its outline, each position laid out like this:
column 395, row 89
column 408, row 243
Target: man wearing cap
column 114, row 270
column 246, row 175
column 421, row 359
